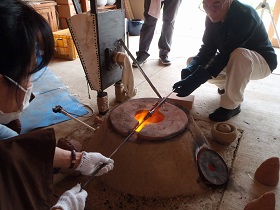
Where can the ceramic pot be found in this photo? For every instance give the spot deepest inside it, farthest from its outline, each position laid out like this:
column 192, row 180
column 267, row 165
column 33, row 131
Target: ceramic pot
column 101, row 3
column 224, row 133
column 111, row 2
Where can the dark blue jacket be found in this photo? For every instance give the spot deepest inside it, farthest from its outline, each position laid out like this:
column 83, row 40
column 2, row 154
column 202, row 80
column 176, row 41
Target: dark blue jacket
column 242, row 28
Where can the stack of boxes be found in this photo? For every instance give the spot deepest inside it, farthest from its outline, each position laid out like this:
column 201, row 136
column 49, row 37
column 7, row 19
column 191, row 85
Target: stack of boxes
column 64, row 45
column 65, row 9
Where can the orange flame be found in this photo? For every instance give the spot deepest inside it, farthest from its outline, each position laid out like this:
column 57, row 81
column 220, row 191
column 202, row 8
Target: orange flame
column 156, row 117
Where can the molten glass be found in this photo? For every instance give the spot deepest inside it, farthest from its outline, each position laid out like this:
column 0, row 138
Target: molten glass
column 140, row 116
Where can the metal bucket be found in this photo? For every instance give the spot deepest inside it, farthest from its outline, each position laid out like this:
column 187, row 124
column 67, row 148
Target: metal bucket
column 134, row 26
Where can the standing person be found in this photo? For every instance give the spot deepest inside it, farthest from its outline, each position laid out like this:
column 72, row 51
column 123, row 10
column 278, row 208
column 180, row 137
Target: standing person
column 151, row 14
column 235, row 50
column 27, row 160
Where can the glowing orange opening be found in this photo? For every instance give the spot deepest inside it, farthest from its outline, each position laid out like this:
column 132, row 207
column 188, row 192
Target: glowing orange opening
column 155, row 118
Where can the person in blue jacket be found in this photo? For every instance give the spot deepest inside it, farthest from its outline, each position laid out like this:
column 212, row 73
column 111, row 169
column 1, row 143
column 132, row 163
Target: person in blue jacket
column 235, row 50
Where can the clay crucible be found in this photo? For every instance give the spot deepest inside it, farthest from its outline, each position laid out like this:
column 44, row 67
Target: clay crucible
column 224, row 133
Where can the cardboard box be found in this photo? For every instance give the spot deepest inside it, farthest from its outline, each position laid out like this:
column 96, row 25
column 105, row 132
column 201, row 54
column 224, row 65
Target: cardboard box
column 62, row 23
column 137, row 7
column 64, row 45
column 64, row 2
column 65, row 11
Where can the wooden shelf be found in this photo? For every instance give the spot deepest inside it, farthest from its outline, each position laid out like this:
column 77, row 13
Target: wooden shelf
column 106, row 7
column 47, row 10
column 85, row 6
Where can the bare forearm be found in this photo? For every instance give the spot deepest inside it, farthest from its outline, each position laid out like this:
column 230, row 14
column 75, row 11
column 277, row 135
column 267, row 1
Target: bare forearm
column 62, row 158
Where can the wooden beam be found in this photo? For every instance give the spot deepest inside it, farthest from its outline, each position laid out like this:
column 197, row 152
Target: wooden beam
column 271, row 32
column 84, row 5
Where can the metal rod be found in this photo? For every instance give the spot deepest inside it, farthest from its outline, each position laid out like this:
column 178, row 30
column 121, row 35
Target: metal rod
column 139, row 67
column 59, row 109
column 104, row 164
column 77, row 6
column 151, row 112
column 148, row 115
column 264, row 5
column 127, row 39
column 163, row 100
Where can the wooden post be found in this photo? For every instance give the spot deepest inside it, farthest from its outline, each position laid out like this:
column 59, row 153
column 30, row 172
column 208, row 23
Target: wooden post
column 271, row 32
column 84, row 5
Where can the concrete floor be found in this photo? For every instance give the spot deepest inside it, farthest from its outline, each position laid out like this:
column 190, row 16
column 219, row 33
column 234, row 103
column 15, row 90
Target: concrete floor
column 258, row 120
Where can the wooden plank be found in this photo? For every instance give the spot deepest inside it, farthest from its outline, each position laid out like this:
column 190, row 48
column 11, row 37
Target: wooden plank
column 84, row 5
column 274, row 42
column 271, row 32
column 128, row 12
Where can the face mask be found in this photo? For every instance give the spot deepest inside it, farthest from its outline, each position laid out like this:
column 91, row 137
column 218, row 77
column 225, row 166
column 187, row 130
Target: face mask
column 8, row 117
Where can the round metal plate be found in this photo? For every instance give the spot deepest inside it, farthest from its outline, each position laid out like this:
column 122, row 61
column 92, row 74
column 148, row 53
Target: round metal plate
column 212, row 167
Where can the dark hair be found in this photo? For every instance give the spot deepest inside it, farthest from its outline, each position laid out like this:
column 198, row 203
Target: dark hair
column 21, row 29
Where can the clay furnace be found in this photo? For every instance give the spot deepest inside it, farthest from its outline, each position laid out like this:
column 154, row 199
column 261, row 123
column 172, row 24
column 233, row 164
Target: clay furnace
column 159, row 160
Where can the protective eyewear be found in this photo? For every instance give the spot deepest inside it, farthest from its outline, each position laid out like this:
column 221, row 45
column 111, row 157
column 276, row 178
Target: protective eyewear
column 215, row 7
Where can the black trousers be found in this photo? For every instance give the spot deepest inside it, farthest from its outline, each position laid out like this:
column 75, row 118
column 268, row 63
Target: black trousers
column 169, row 9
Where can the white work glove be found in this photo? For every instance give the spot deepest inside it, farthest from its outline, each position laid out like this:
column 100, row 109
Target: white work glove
column 72, row 199
column 92, row 160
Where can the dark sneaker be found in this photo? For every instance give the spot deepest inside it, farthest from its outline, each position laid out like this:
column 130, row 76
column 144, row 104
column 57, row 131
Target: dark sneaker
column 164, row 60
column 141, row 59
column 221, row 91
column 221, row 114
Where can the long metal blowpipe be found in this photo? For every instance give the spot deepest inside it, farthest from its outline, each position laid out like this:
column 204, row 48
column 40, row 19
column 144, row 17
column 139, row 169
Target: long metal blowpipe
column 104, row 164
column 148, row 115
column 151, row 112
